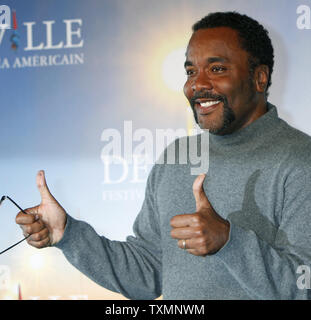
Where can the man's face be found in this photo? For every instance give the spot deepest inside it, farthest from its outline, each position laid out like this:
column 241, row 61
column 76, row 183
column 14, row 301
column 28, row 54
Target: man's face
column 219, row 86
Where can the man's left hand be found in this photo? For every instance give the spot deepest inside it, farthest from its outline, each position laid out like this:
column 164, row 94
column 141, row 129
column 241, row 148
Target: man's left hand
column 204, row 232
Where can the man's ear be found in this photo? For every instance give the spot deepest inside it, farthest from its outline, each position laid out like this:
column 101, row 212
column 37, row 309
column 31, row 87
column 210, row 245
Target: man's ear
column 261, row 77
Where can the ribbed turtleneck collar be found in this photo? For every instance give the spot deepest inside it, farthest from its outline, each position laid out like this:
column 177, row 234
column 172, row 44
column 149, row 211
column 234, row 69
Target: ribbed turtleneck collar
column 250, row 134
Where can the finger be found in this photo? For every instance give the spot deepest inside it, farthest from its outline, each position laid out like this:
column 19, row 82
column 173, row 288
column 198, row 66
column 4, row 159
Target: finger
column 196, row 252
column 185, row 233
column 38, row 236
column 187, row 244
column 30, row 217
column 42, row 186
column 183, row 220
column 40, row 244
column 201, row 199
column 191, row 243
column 35, row 227
column 182, row 244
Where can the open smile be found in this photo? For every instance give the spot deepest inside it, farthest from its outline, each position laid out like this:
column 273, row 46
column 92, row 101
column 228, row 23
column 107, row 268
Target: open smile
column 204, row 106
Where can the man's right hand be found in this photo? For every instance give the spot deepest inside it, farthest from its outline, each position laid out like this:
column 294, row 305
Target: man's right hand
column 46, row 222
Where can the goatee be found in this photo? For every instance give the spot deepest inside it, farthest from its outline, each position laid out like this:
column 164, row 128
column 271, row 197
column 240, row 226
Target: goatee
column 228, row 114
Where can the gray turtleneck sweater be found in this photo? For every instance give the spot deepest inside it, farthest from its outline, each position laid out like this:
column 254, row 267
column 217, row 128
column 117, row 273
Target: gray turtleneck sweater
column 259, row 179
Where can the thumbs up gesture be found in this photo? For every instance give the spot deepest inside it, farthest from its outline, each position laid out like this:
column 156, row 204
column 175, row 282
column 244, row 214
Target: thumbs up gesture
column 46, row 222
column 203, row 232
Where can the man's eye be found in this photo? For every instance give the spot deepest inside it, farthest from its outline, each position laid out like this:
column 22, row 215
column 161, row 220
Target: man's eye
column 218, row 69
column 189, row 72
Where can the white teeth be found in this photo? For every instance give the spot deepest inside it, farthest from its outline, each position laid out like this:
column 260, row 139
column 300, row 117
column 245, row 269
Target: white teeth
column 208, row 103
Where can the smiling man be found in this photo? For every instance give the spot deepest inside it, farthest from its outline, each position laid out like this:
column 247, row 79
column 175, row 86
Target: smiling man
column 238, row 231
column 227, row 81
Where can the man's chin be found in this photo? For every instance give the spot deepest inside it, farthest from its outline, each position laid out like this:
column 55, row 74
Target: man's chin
column 217, row 124
column 219, row 130
column 212, row 126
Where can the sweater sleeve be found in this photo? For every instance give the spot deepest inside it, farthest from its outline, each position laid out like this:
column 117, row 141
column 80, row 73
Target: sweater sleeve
column 132, row 267
column 268, row 271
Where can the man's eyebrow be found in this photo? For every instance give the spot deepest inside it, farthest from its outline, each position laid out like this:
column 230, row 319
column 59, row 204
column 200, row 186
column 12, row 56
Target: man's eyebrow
column 209, row 60
column 188, row 63
column 216, row 59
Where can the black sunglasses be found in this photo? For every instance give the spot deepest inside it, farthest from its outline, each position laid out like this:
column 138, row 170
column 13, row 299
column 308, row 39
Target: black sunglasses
column 2, row 199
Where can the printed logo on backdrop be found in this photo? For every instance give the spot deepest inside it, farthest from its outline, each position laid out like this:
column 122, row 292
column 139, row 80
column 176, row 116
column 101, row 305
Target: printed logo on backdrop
column 32, row 50
column 5, row 277
column 128, row 157
column 304, row 18
column 5, row 17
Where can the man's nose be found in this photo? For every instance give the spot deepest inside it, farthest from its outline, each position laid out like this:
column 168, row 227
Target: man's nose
column 201, row 82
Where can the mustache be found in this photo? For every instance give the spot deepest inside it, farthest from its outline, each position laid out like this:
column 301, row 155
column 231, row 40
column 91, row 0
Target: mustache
column 206, row 95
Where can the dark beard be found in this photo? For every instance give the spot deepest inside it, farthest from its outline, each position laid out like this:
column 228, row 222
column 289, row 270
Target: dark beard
column 228, row 114
column 228, row 118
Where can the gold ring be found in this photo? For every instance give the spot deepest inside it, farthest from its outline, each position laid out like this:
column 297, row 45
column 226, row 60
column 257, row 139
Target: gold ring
column 184, row 244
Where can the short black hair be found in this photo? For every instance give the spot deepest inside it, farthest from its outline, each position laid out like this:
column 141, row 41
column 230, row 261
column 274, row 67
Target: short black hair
column 253, row 36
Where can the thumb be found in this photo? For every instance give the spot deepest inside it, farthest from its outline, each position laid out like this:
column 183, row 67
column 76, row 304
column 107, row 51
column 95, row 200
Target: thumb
column 201, row 199
column 42, row 186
